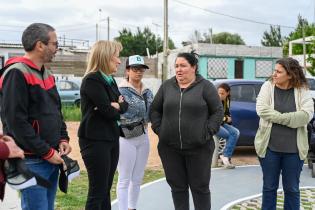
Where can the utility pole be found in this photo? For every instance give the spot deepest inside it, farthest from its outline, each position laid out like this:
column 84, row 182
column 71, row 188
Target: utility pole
column 304, row 49
column 210, row 31
column 108, row 28
column 157, row 32
column 64, row 40
column 165, row 43
column 98, row 25
column 96, row 34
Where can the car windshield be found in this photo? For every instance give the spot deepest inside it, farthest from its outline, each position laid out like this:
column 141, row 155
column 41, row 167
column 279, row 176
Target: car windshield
column 65, row 85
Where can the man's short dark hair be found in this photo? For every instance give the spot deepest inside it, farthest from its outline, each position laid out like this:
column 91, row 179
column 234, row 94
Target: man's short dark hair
column 34, row 33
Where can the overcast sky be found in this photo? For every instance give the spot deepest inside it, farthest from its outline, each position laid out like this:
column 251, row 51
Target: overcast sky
column 76, row 19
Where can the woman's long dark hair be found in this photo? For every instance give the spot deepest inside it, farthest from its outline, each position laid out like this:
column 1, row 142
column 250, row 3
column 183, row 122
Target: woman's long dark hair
column 227, row 88
column 294, row 70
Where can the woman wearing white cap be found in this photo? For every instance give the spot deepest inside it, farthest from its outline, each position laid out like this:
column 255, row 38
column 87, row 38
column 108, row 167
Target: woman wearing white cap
column 134, row 147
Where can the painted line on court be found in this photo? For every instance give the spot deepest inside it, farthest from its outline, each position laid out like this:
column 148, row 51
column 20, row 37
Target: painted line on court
column 212, row 169
column 162, row 179
column 143, row 186
column 229, row 205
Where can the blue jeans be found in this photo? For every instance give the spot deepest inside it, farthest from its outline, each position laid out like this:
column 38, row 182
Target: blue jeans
column 290, row 167
column 38, row 197
column 230, row 134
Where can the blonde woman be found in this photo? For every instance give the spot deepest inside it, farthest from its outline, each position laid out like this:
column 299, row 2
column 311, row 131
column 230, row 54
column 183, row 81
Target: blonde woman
column 101, row 106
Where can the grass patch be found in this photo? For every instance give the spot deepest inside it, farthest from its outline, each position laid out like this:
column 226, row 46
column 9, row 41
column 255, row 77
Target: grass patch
column 77, row 191
column 71, row 113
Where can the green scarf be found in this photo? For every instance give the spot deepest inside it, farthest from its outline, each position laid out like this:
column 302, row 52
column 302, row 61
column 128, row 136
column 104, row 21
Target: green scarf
column 110, row 80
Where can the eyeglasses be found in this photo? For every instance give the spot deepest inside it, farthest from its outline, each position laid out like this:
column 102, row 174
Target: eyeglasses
column 137, row 69
column 56, row 44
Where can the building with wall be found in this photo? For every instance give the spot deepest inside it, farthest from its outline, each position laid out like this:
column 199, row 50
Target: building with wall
column 218, row 61
column 9, row 50
column 70, row 60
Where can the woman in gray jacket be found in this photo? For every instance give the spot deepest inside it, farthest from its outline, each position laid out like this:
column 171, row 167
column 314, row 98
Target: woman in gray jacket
column 185, row 113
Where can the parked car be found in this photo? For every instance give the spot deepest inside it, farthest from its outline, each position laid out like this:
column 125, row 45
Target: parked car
column 311, row 83
column 69, row 92
column 243, row 107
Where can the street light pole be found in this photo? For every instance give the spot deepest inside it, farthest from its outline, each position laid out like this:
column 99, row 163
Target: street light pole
column 157, row 32
column 165, row 43
column 108, row 28
column 98, row 27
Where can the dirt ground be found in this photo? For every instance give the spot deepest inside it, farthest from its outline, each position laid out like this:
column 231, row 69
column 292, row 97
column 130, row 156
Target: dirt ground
column 242, row 156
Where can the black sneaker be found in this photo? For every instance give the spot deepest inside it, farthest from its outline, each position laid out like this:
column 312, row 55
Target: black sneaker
column 72, row 171
column 18, row 176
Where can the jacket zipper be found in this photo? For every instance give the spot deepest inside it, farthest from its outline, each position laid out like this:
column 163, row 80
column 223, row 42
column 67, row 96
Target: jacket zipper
column 42, row 76
column 179, row 115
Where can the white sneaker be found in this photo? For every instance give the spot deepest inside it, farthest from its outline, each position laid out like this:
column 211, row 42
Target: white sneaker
column 226, row 162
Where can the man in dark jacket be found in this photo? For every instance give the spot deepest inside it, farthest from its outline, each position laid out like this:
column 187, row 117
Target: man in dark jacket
column 31, row 112
column 8, row 149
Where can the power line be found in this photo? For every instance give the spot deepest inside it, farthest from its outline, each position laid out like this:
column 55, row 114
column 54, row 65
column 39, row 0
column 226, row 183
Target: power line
column 124, row 24
column 76, row 29
column 6, row 30
column 10, row 26
column 72, row 25
column 231, row 16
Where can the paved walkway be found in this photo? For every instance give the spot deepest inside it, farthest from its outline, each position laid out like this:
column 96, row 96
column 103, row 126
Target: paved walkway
column 226, row 186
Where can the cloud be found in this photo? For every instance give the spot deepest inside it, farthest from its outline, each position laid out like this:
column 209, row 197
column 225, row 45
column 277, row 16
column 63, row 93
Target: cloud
column 78, row 18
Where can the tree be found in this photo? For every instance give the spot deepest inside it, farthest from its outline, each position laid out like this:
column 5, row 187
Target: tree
column 297, row 49
column 227, row 38
column 136, row 44
column 219, row 38
column 272, row 38
column 309, row 30
column 195, row 37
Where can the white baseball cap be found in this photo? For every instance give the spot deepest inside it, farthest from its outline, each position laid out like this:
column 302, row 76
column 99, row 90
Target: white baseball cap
column 135, row 60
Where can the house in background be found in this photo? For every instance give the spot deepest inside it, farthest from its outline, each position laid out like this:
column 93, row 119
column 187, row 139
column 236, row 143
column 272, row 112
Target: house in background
column 8, row 50
column 218, row 61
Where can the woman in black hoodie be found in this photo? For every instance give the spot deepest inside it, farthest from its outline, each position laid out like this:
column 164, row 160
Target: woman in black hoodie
column 185, row 113
column 101, row 106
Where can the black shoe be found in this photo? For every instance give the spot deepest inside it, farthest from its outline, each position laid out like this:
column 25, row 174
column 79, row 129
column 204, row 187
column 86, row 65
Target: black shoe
column 72, row 171
column 18, row 176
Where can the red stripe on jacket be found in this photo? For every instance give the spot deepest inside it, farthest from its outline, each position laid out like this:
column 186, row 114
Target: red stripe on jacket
column 31, row 79
column 45, row 84
column 22, row 60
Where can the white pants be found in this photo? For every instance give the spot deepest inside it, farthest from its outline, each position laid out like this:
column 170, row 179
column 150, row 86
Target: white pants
column 133, row 156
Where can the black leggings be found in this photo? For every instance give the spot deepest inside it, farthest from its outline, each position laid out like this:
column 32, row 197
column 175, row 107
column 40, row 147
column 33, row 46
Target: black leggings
column 100, row 159
column 186, row 169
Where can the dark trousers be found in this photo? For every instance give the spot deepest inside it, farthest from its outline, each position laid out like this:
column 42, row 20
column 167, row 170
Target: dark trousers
column 186, row 169
column 289, row 166
column 100, row 159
